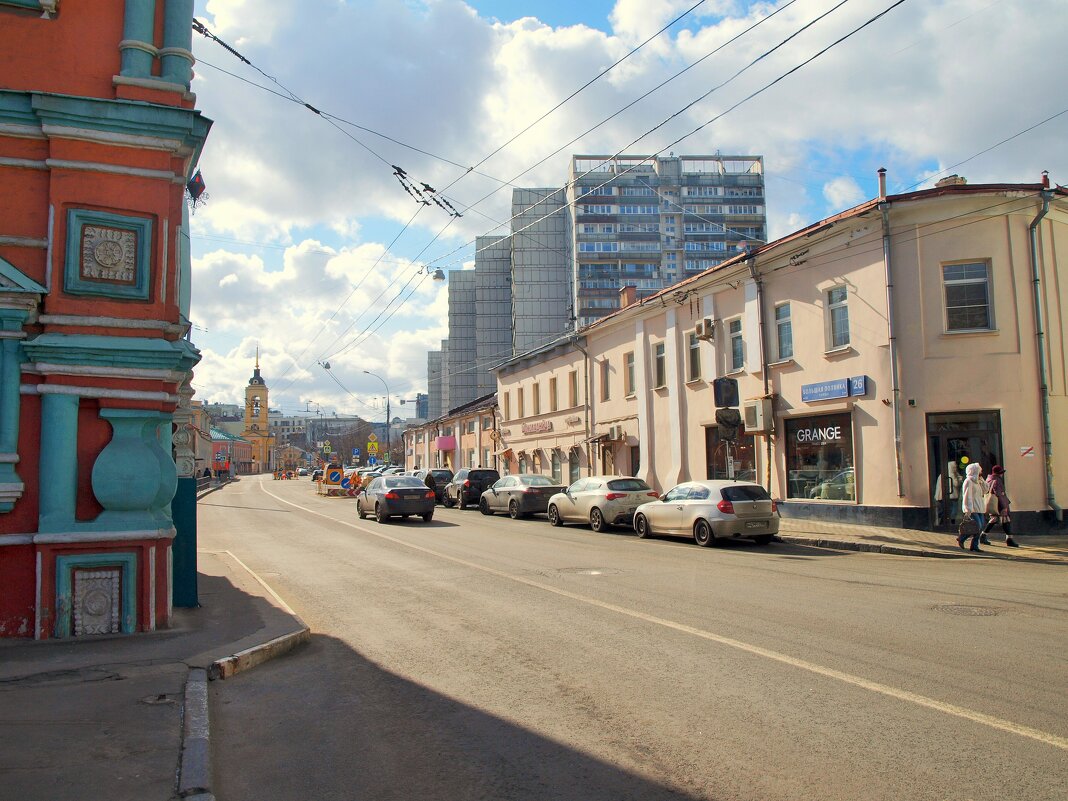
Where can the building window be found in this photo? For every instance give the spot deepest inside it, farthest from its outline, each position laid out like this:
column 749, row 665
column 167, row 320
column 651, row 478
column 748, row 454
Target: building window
column 838, row 317
column 734, row 329
column 628, row 373
column 659, row 366
column 470, row 426
column 967, row 291
column 471, row 457
column 487, row 423
column 605, row 387
column 507, row 407
column 819, row 458
column 519, row 403
column 535, row 401
column 572, row 388
column 522, row 464
column 554, row 401
column 486, row 459
column 730, row 460
column 556, row 471
column 784, row 331
column 693, row 351
column 573, row 467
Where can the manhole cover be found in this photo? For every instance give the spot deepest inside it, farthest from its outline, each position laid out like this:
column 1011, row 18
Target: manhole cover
column 967, row 611
column 590, row 571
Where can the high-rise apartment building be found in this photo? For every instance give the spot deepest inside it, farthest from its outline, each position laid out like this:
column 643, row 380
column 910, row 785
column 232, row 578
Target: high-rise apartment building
column 542, row 272
column 650, row 221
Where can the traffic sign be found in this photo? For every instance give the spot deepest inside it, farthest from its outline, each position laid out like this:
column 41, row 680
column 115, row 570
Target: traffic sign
column 372, row 461
column 372, row 437
column 326, row 449
column 355, row 451
column 372, row 447
column 334, row 476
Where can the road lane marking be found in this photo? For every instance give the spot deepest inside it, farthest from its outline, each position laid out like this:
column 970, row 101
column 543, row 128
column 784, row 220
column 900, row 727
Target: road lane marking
column 756, row 650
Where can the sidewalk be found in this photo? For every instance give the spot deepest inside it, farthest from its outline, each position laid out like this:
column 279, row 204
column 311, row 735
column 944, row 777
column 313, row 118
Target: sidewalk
column 126, row 717
column 1047, row 549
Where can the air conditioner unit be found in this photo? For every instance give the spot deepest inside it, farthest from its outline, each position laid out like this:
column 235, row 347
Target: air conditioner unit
column 758, row 416
column 705, row 329
column 616, row 433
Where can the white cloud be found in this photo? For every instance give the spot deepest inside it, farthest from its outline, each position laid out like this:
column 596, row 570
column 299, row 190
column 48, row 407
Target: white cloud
column 915, row 91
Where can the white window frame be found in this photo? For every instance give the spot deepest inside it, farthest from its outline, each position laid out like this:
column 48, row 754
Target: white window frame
column 628, row 374
column 784, row 331
column 659, row 365
column 693, row 353
column 735, row 356
column 986, row 281
column 834, row 339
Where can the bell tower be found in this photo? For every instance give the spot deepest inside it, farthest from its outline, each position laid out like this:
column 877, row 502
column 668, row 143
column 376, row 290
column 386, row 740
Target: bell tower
column 257, row 430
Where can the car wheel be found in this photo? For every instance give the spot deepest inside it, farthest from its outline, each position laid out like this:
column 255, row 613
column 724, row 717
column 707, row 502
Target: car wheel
column 702, row 533
column 763, row 539
column 597, row 520
column 381, row 518
column 554, row 515
column 484, row 507
column 428, row 516
column 446, row 501
column 461, row 501
column 641, row 527
column 359, row 510
column 513, row 510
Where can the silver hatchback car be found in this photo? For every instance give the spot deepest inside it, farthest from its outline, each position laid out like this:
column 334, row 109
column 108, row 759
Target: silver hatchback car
column 601, row 501
column 711, row 510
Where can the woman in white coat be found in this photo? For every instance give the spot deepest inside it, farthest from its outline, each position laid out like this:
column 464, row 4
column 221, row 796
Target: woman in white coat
column 973, row 502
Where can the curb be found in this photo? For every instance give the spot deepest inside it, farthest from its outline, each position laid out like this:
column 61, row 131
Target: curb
column 194, row 773
column 869, row 547
column 258, row 654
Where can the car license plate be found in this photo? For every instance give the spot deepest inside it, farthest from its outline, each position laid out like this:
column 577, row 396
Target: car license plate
column 757, row 524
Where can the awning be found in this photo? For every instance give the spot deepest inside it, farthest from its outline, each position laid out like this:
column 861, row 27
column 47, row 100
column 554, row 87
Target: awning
column 502, row 452
column 596, row 438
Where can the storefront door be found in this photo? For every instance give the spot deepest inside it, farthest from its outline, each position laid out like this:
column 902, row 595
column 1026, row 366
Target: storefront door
column 953, row 442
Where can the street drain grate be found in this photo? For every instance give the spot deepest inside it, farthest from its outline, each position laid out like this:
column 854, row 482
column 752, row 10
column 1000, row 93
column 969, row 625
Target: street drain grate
column 967, row 611
column 590, row 571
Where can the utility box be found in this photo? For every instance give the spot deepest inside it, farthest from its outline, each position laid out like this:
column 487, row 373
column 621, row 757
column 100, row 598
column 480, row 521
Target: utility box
column 758, row 415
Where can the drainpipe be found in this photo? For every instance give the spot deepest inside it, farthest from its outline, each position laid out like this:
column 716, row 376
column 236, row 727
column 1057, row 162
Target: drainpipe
column 585, row 403
column 1047, row 440
column 751, row 263
column 884, row 209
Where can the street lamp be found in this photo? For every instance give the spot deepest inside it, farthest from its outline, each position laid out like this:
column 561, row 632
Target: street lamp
column 389, row 451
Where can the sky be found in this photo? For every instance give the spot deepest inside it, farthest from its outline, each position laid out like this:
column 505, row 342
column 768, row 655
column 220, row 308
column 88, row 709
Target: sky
column 308, row 248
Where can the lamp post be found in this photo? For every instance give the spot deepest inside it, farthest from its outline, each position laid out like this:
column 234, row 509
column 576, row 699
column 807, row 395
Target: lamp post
column 389, row 451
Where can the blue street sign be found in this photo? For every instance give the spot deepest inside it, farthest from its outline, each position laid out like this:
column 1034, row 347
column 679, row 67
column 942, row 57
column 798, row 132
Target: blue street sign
column 356, row 452
column 372, row 461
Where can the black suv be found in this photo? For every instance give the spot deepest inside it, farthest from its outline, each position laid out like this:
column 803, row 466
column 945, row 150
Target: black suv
column 442, row 476
column 467, row 486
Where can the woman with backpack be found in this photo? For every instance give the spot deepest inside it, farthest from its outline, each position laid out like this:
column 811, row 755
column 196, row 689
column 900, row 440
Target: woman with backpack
column 997, row 489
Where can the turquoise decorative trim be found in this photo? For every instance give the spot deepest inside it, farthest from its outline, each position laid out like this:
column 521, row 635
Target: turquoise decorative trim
column 46, row 6
column 137, row 27
column 16, row 108
column 104, row 351
column 108, row 255
column 176, row 62
column 65, row 567
column 14, row 280
column 59, row 463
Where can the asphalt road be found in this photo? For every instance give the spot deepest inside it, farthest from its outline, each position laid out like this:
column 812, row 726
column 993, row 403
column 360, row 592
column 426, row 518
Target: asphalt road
column 485, row 658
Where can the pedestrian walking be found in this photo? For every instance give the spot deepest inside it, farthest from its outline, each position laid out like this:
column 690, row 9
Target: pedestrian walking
column 997, row 489
column 973, row 493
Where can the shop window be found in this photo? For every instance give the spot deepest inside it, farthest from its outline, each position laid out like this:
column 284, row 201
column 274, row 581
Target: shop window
column 471, row 457
column 573, row 467
column 837, row 317
column 730, row 460
column 628, row 373
column 819, row 458
column 522, row 464
column 967, row 293
column 659, row 366
column 737, row 352
column 784, row 332
column 635, row 459
column 556, row 471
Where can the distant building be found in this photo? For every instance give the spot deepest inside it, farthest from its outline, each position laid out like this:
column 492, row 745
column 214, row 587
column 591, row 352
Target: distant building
column 257, row 430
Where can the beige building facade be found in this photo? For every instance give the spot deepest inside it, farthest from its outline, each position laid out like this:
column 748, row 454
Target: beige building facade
column 876, row 354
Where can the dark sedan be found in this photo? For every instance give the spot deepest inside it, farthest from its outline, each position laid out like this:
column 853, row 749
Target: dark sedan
column 519, row 495
column 390, row 496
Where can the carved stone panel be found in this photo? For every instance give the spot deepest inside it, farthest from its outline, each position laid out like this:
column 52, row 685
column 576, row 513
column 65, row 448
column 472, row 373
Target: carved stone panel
column 97, row 601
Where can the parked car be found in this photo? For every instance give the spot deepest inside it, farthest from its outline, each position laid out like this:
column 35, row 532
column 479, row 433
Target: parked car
column 601, row 501
column 709, row 511
column 467, row 486
column 302, row 471
column 392, row 471
column 317, row 474
column 840, row 487
column 389, row 496
column 519, row 495
column 442, row 476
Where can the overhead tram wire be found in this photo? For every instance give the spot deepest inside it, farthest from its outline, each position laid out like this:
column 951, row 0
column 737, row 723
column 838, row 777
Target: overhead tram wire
column 664, row 122
column 501, row 147
column 713, row 119
column 468, row 208
column 700, row 127
column 288, row 94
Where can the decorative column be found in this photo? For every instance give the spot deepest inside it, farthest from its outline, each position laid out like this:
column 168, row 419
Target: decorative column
column 184, row 505
column 59, row 462
column 177, row 54
column 136, row 46
column 128, row 477
column 11, row 332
